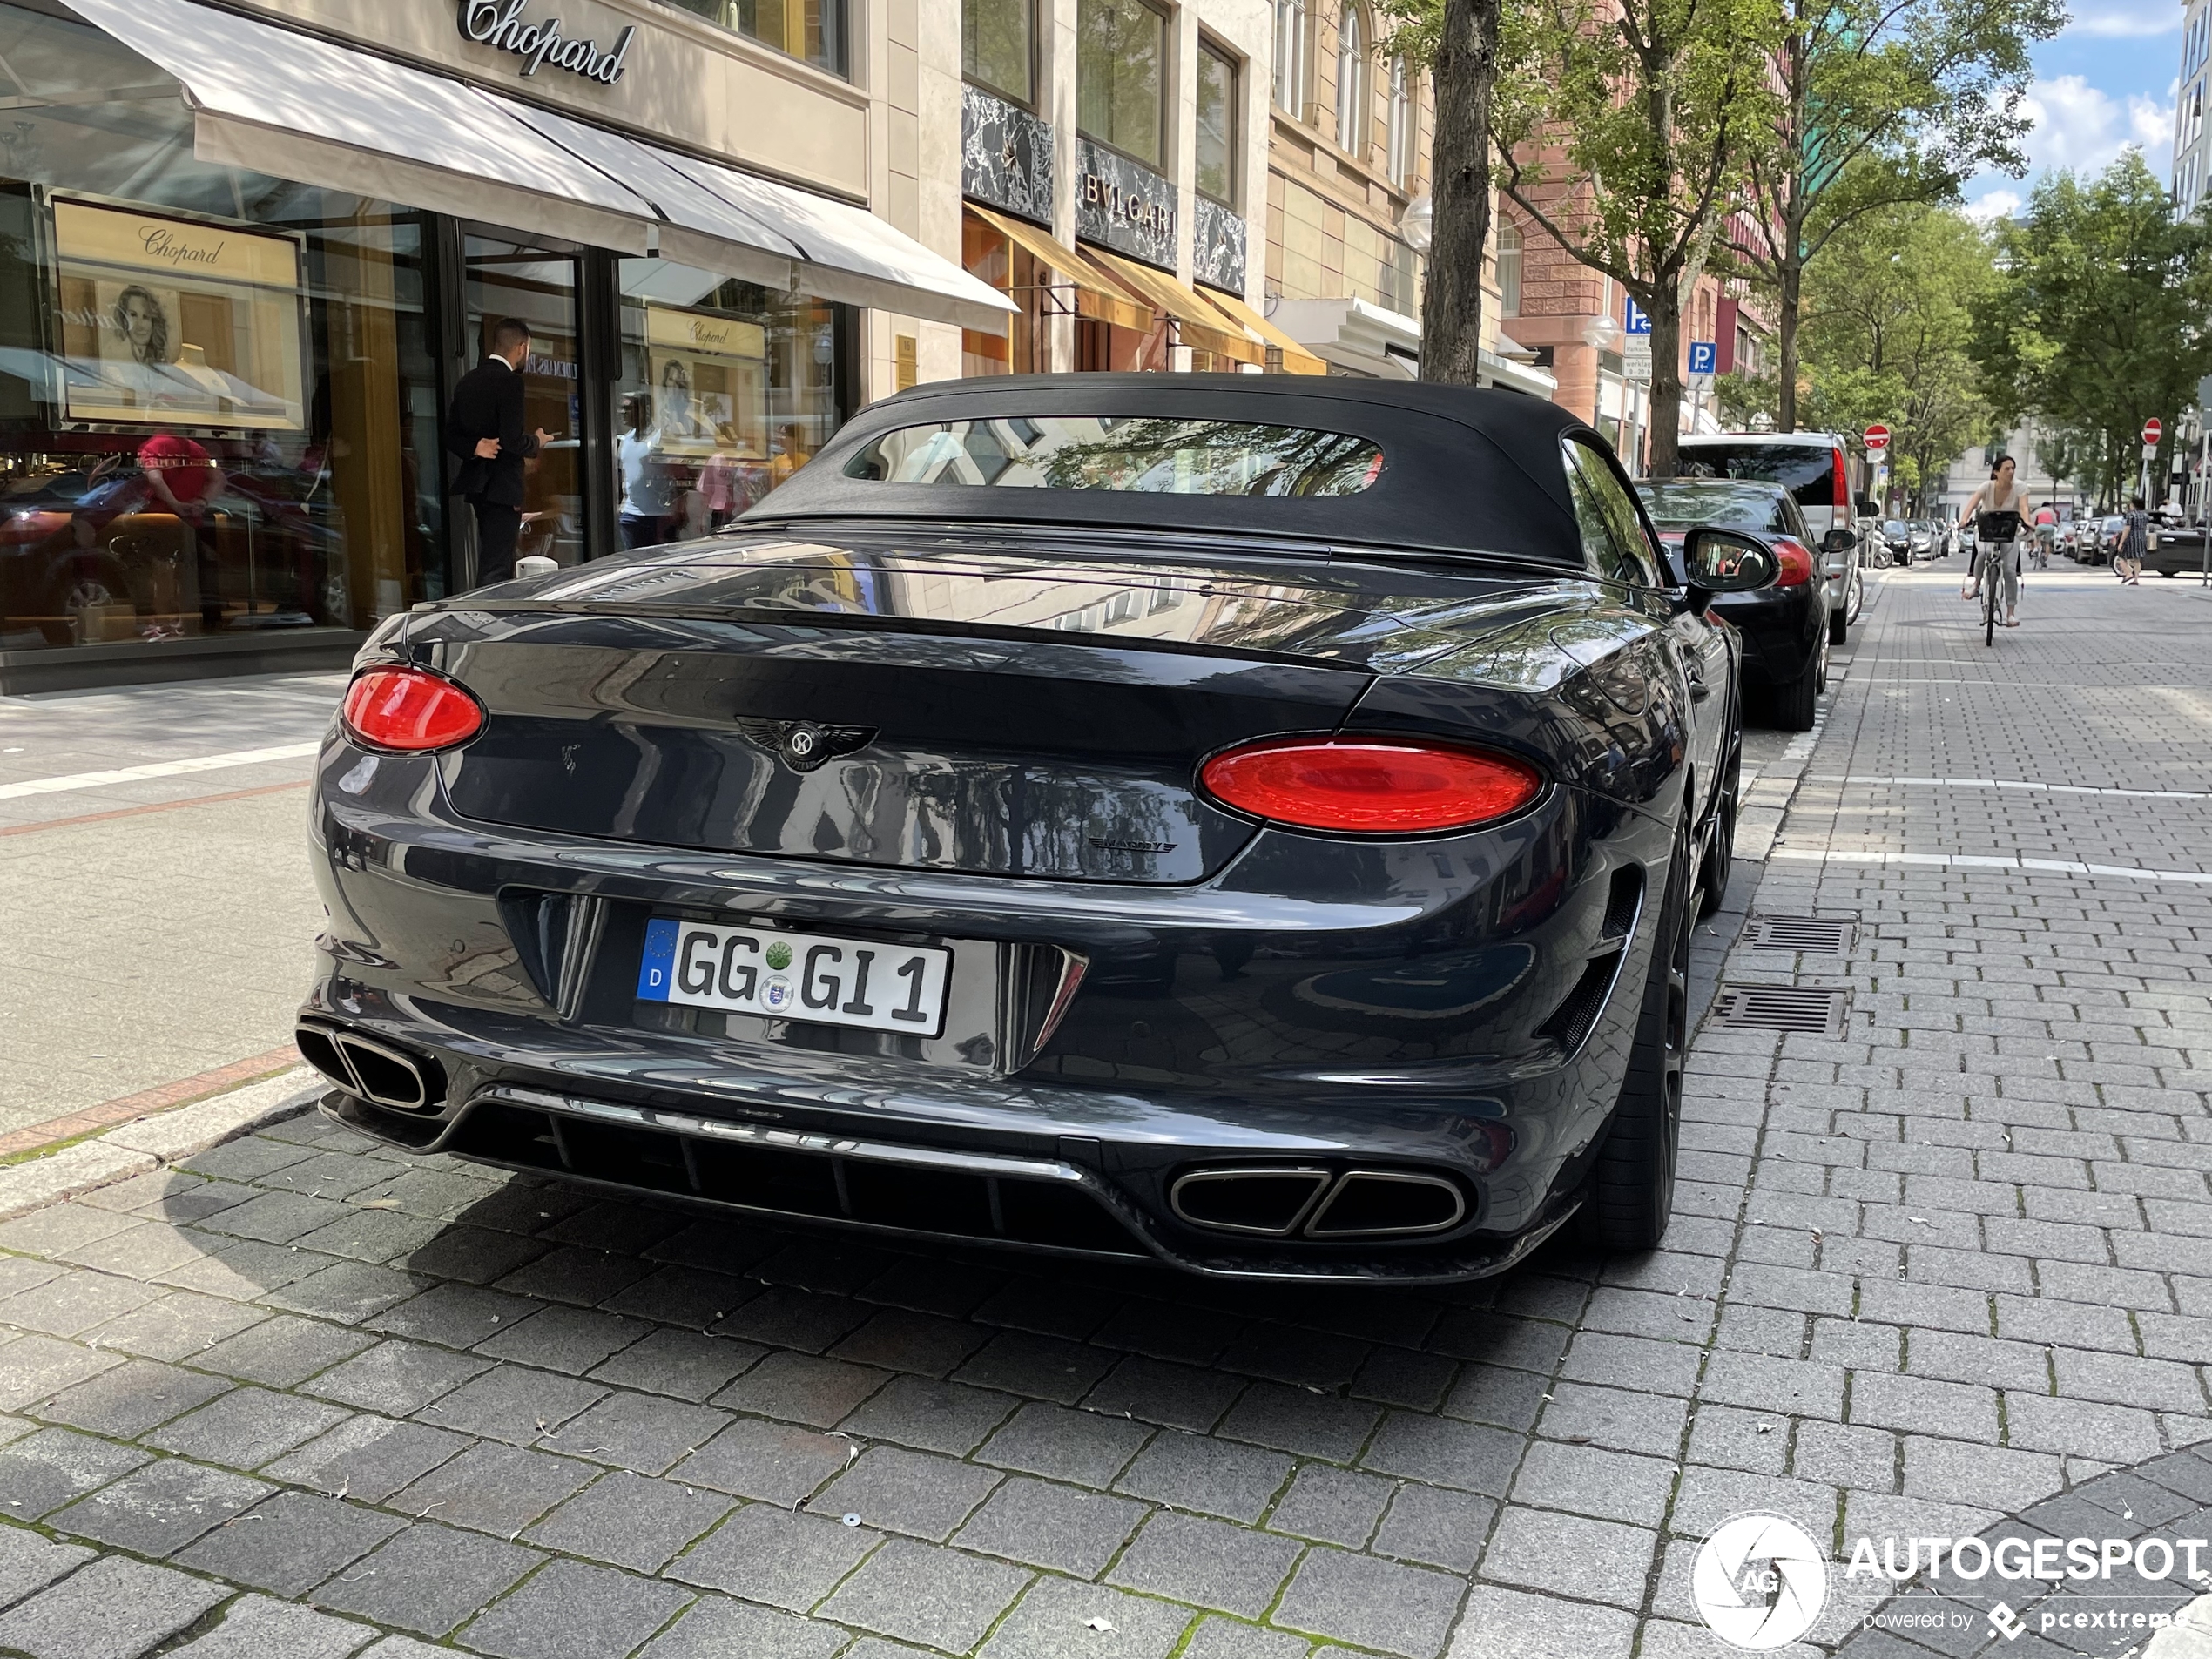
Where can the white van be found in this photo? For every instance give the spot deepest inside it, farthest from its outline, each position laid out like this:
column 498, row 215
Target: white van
column 1813, row 466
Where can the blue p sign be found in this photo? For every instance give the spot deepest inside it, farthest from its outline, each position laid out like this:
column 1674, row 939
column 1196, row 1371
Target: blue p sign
column 1702, row 356
column 1639, row 322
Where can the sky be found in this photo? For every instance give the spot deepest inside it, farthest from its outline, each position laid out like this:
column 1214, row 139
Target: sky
column 2107, row 81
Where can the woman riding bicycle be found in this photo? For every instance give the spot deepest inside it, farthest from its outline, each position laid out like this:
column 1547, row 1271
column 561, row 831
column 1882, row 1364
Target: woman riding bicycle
column 1997, row 510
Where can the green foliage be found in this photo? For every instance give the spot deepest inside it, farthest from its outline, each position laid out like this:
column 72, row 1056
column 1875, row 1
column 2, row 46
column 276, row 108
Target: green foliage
column 1888, row 325
column 1741, row 399
column 2097, row 317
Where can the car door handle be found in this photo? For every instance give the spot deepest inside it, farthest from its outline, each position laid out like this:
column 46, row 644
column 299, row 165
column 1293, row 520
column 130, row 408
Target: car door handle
column 1698, row 690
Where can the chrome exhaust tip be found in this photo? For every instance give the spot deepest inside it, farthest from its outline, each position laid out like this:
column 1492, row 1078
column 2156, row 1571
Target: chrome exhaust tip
column 1388, row 1204
column 375, row 1071
column 1276, row 1203
column 1260, row 1201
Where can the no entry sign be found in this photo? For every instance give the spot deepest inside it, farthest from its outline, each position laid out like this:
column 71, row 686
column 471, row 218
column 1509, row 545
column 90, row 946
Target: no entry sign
column 2154, row 429
column 1878, row 437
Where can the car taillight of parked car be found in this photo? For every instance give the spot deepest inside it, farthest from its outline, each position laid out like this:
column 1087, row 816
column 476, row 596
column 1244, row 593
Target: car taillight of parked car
column 410, row 711
column 1796, row 559
column 1842, row 486
column 1369, row 786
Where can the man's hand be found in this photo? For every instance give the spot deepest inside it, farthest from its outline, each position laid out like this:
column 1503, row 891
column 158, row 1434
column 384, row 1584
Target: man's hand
column 544, row 437
column 487, row 448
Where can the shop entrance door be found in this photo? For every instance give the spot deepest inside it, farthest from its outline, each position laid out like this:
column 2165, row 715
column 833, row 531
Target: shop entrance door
column 511, row 278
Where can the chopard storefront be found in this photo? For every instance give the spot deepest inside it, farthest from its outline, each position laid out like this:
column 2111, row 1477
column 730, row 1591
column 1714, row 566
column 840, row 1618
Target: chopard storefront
column 244, row 258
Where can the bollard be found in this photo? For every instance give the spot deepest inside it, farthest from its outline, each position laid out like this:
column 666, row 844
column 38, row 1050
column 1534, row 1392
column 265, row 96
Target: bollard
column 536, row 565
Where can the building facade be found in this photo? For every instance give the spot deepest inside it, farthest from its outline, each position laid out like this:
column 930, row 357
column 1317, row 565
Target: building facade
column 1111, row 184
column 2192, row 156
column 250, row 251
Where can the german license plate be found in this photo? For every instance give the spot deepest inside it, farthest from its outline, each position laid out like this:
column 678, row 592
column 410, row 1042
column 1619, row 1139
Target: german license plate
column 795, row 976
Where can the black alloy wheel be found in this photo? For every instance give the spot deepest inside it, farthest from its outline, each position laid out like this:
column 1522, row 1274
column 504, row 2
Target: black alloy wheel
column 1631, row 1191
column 1719, row 852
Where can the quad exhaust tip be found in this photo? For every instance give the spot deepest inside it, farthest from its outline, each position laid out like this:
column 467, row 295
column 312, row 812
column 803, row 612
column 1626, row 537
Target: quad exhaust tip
column 1317, row 1203
column 375, row 1071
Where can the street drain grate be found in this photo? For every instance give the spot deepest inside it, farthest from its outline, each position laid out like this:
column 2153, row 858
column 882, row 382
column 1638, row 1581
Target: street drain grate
column 1783, row 1007
column 1824, row 934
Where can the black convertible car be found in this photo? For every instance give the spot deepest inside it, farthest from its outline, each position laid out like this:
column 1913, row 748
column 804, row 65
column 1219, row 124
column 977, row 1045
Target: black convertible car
column 1254, row 823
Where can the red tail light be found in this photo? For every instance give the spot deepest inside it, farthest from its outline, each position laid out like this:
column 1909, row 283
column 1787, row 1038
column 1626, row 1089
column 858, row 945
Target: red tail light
column 1796, row 559
column 1369, row 786
column 411, row 711
column 1842, row 487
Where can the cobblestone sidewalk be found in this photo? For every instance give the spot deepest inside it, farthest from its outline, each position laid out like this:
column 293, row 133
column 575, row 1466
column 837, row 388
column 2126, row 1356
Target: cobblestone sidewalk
column 300, row 1397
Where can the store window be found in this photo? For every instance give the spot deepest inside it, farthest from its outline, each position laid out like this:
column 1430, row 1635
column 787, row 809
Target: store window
column 508, row 279
column 1121, row 62
column 725, row 390
column 814, row 30
column 1509, row 251
column 997, row 50
column 989, row 255
column 1216, row 156
column 219, row 405
column 1290, row 56
column 1404, row 122
column 1351, row 82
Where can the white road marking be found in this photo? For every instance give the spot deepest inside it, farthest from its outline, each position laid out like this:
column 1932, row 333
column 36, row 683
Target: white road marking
column 1996, row 783
column 1961, row 861
column 155, row 769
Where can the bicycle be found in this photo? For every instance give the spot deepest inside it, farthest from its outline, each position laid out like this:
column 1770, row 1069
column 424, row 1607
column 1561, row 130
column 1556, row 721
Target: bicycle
column 1992, row 583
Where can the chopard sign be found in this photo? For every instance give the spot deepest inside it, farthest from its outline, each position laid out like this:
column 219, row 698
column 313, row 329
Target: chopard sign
column 499, row 23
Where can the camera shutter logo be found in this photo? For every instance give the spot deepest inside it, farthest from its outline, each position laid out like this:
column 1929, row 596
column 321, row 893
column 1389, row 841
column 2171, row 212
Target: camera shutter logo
column 1759, row 1581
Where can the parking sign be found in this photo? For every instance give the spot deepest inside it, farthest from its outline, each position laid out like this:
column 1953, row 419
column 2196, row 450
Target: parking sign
column 1638, row 322
column 1703, row 354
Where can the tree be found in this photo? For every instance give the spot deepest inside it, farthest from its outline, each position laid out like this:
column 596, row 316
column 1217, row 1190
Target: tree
column 1879, row 103
column 1643, row 106
column 1888, row 325
column 2096, row 320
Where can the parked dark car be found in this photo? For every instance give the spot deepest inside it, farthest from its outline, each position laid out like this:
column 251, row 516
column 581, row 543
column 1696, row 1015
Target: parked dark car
column 2179, row 550
column 1784, row 627
column 1897, row 537
column 1254, row 823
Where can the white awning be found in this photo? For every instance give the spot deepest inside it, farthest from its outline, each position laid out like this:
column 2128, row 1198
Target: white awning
column 274, row 100
column 1353, row 335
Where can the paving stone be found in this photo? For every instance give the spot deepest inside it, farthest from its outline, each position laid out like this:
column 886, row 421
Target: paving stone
column 1225, row 1639
column 756, row 1460
column 920, row 1592
column 631, row 1521
column 1962, row 1411
column 681, row 1364
column 783, row 1317
column 159, row 1509
column 495, row 1488
column 570, row 1610
column 1438, row 1527
column 946, row 1416
column 282, row 1351
column 29, row 1563
column 763, row 1553
column 1599, row 1561
column 565, row 1339
column 246, row 1427
column 684, row 1296
column 512, row 1404
column 32, row 1367
column 429, row 1578
column 1471, row 1456
column 290, row 1543
column 638, row 1432
column 717, row 1628
column 73, row 1303
column 177, row 1325
column 1155, row 1391
column 573, row 1273
column 1336, row 1506
column 114, row 1608
column 1087, row 1447
column 1052, row 1527
column 348, row 1292
column 1592, row 1481
column 803, row 1388
column 902, row 1339
column 1299, row 1422
column 255, row 1627
column 455, row 1316
column 473, row 1255
column 907, row 1492
column 1017, row 1362
column 131, row 1398
column 1208, row 1563
column 396, row 1378
column 1214, row 1477
column 1060, row 1620
column 1406, row 1610
column 368, row 1457
column 42, row 1472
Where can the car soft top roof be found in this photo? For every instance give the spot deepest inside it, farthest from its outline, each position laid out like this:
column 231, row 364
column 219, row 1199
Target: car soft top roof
column 1465, row 470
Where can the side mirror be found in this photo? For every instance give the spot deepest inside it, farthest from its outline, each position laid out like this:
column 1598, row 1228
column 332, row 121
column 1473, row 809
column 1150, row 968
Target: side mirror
column 1869, row 508
column 1839, row 540
column 1719, row 561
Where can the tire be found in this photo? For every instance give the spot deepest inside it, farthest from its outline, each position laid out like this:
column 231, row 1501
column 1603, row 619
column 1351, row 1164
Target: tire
column 1791, row 706
column 1839, row 623
column 1856, row 605
column 1719, row 852
column 1631, row 1190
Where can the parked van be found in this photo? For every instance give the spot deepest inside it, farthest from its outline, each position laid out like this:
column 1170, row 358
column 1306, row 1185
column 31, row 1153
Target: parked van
column 1812, row 466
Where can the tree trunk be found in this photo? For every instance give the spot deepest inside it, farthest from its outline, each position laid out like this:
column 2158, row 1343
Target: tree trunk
column 1466, row 66
column 1788, row 292
column 1666, row 375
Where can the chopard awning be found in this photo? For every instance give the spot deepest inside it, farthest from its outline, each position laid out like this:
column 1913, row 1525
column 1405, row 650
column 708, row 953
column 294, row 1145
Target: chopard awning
column 274, row 100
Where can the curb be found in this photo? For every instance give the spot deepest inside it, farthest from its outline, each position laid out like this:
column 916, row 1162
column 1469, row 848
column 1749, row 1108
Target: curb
column 153, row 1143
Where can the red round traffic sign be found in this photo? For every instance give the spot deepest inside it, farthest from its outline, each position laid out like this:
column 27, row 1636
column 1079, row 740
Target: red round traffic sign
column 2152, row 429
column 1878, row 436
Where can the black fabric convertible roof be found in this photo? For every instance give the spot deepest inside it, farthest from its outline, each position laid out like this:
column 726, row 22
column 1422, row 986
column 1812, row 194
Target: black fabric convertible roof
column 1464, row 470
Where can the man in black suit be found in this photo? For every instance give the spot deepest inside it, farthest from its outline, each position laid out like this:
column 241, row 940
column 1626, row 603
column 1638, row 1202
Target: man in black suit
column 484, row 430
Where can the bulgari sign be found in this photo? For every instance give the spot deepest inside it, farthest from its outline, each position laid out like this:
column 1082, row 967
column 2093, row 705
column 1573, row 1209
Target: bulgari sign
column 499, row 23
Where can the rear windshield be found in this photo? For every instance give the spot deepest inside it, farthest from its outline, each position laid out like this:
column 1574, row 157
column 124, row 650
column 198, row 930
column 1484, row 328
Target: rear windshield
column 1151, row 454
column 1682, row 503
column 1807, row 471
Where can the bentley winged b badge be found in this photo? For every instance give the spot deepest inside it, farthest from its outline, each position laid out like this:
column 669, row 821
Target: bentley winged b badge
column 804, row 744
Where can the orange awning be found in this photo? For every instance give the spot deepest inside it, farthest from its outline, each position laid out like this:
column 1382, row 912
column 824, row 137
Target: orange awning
column 1200, row 325
column 1095, row 295
column 1291, row 357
